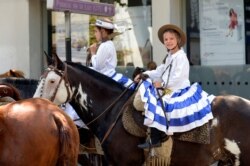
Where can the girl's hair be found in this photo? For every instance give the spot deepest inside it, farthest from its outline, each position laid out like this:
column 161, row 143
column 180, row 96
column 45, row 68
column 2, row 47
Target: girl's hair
column 109, row 31
column 231, row 12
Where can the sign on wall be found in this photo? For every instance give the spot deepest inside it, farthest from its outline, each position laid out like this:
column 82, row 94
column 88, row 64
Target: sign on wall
column 222, row 31
column 80, row 6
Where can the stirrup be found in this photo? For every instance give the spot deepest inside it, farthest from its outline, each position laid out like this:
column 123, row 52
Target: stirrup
column 148, row 144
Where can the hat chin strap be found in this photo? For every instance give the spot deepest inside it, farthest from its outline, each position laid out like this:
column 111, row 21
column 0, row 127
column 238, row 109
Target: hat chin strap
column 103, row 39
column 177, row 45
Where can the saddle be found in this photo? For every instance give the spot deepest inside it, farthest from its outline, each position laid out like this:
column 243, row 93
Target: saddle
column 133, row 123
column 5, row 91
column 133, row 120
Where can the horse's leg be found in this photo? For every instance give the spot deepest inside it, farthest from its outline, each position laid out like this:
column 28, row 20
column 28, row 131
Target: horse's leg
column 191, row 154
column 83, row 160
column 103, row 161
column 122, row 148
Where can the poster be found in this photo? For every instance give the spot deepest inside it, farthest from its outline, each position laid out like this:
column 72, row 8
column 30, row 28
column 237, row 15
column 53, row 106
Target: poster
column 222, row 31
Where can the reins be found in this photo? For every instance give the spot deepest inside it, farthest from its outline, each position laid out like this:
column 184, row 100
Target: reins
column 107, row 109
column 111, row 105
column 118, row 115
column 112, row 125
column 64, row 77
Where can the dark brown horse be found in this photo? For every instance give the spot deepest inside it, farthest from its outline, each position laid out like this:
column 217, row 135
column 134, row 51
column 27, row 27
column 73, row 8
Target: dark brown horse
column 37, row 132
column 99, row 101
column 12, row 73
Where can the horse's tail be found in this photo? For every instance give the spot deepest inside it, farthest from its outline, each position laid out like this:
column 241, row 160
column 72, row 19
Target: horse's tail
column 68, row 142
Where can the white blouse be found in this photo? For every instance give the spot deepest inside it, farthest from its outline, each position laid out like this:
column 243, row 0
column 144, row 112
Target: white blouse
column 178, row 75
column 105, row 59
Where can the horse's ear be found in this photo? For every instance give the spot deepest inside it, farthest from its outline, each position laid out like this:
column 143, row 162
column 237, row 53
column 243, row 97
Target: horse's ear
column 57, row 62
column 54, row 60
column 12, row 73
column 48, row 58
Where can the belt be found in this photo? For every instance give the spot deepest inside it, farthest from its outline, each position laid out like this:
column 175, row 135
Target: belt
column 167, row 91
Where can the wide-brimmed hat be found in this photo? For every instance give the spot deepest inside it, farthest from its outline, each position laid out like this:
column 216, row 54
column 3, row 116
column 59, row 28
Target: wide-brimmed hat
column 166, row 27
column 104, row 23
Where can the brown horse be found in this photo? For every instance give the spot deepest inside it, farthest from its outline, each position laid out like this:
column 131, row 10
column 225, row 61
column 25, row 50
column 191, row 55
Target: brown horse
column 37, row 132
column 12, row 73
column 100, row 101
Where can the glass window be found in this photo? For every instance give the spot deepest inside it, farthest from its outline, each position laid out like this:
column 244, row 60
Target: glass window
column 193, row 32
column 133, row 19
column 216, row 32
column 79, row 35
column 247, row 29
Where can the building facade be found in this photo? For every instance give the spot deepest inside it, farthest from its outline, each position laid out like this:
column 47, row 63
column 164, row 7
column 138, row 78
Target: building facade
column 217, row 32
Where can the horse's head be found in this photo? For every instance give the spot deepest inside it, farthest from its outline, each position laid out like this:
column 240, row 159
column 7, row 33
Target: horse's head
column 88, row 91
column 16, row 73
column 53, row 84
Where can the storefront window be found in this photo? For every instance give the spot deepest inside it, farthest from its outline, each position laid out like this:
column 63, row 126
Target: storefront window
column 133, row 19
column 216, row 32
column 247, row 29
column 79, row 35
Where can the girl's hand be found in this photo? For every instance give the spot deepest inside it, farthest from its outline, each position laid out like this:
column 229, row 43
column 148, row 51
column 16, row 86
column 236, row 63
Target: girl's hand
column 137, row 78
column 93, row 48
column 157, row 84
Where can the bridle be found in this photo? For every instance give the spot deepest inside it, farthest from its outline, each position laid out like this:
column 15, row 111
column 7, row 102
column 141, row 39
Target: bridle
column 63, row 75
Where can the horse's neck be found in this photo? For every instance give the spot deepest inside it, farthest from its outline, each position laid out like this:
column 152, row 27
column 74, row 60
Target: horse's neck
column 95, row 98
column 4, row 75
column 99, row 112
column 97, row 90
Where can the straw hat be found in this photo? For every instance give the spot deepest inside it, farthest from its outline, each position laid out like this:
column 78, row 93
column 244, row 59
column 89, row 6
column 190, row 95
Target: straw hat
column 104, row 23
column 166, row 27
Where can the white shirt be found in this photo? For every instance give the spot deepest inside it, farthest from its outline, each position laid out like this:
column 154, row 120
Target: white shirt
column 105, row 59
column 179, row 74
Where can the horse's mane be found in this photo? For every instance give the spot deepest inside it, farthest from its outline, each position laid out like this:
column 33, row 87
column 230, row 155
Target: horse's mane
column 104, row 78
column 13, row 73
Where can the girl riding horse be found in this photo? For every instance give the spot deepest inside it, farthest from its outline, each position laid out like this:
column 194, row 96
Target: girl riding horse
column 181, row 107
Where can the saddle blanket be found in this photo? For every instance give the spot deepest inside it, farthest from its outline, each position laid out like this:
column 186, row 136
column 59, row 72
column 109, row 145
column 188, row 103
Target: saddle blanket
column 184, row 110
column 125, row 81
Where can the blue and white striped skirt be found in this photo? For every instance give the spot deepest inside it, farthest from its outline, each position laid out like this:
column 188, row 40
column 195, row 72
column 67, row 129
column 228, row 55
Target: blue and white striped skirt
column 125, row 81
column 185, row 109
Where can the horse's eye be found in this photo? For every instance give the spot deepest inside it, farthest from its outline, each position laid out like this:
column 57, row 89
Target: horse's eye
column 52, row 81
